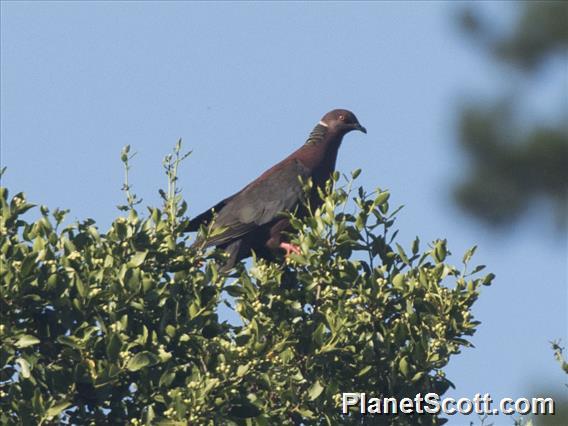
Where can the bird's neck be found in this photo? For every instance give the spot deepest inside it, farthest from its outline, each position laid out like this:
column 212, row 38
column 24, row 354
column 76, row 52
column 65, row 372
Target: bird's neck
column 317, row 135
column 319, row 153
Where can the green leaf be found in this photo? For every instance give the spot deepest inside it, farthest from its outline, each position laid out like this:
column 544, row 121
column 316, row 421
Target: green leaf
column 360, row 222
column 403, row 366
column 398, row 280
column 124, row 153
column 315, row 390
column 113, row 347
column 25, row 368
column 477, row 269
column 81, row 288
column 415, row 246
column 234, row 290
column 488, row 279
column 57, row 408
column 167, row 378
column 28, row 264
column 417, row 377
column 217, row 231
column 242, row 370
column 307, row 413
column 440, row 251
column 141, row 360
column 70, row 341
column 27, row 340
column 287, row 355
column 170, row 330
column 364, row 371
column 137, row 259
column 318, row 334
column 382, row 198
column 402, row 254
column 469, row 254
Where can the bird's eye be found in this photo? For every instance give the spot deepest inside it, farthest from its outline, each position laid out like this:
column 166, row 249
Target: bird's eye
column 342, row 117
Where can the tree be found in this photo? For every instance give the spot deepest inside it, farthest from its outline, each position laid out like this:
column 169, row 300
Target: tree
column 515, row 165
column 123, row 326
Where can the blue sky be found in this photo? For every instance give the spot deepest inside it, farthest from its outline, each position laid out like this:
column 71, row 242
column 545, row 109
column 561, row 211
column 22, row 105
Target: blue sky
column 243, row 84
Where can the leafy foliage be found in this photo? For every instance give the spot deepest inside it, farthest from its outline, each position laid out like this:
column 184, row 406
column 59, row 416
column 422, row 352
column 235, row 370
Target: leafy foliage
column 517, row 161
column 512, row 169
column 539, row 32
column 123, row 327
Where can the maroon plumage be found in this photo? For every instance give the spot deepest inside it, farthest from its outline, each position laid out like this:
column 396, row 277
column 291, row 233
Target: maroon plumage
column 251, row 219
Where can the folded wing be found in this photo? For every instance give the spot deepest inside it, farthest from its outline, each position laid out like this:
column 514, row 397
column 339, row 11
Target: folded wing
column 258, row 204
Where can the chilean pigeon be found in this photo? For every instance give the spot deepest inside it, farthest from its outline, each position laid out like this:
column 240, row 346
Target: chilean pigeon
column 251, row 219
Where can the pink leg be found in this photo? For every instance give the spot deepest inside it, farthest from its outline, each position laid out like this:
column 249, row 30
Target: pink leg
column 290, row 248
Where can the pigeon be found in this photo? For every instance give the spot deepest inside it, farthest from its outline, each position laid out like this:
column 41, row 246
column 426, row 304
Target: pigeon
column 252, row 219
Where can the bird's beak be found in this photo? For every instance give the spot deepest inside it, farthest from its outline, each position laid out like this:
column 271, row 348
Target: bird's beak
column 360, row 128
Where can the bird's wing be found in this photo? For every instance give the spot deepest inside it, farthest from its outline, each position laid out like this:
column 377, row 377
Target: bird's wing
column 205, row 217
column 259, row 203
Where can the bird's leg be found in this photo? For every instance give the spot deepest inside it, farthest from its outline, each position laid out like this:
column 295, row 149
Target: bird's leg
column 290, row 248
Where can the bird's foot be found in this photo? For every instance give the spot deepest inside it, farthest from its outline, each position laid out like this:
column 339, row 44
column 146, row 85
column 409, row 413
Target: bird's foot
column 290, row 248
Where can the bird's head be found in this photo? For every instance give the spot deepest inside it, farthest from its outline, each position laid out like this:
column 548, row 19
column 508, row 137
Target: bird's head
column 341, row 120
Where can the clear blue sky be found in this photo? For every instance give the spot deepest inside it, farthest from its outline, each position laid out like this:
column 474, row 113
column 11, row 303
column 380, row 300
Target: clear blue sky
column 243, row 84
